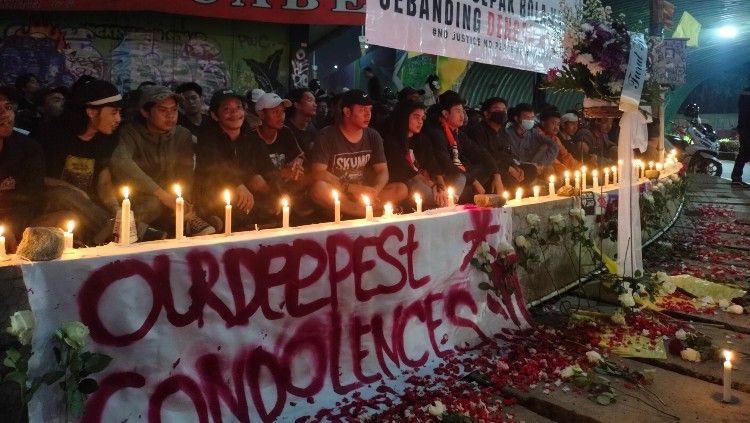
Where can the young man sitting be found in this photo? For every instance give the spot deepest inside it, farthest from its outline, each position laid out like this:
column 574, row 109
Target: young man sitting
column 530, row 146
column 349, row 157
column 153, row 154
column 193, row 119
column 549, row 126
column 300, row 116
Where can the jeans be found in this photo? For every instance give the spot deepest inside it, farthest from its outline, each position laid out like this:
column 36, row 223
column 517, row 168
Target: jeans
column 743, row 156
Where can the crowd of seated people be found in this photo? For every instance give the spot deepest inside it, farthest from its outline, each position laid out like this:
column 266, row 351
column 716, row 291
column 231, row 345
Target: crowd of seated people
column 65, row 153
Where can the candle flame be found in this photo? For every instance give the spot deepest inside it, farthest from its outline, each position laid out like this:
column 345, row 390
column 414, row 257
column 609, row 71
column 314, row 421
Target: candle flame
column 614, row 169
column 583, row 169
column 552, row 179
column 178, row 190
column 519, row 192
column 417, row 198
column 285, row 202
column 536, row 189
column 595, row 172
column 506, row 195
column 606, row 170
column 227, row 197
column 2, row 230
column 577, row 174
column 567, row 174
column 450, row 191
column 727, row 355
column 71, row 226
column 125, row 192
column 388, row 207
column 335, row 195
column 366, row 200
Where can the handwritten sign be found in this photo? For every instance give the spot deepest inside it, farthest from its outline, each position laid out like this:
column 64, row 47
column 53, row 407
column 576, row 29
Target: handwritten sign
column 272, row 328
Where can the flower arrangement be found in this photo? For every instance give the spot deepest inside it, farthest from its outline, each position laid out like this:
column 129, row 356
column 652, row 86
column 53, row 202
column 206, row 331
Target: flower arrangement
column 596, row 51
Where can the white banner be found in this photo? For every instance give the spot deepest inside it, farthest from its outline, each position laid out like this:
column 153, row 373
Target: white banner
column 635, row 76
column 521, row 34
column 270, row 325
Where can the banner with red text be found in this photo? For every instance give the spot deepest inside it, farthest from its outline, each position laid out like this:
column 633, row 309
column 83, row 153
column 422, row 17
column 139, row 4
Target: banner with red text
column 329, row 12
column 271, row 325
column 520, row 34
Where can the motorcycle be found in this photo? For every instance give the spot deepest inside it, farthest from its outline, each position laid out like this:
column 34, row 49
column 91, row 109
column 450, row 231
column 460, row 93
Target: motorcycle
column 698, row 144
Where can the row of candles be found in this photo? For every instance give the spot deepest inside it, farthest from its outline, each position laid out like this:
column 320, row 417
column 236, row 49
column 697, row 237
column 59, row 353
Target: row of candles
column 580, row 181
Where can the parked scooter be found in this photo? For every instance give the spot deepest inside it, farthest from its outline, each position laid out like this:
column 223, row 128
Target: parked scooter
column 698, row 144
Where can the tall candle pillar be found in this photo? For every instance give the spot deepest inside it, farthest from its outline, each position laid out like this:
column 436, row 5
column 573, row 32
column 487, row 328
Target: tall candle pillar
column 519, row 194
column 451, row 197
column 583, row 178
column 536, row 190
column 566, row 174
column 125, row 218
column 179, row 214
column 578, row 180
column 368, row 208
column 68, row 236
column 595, row 177
column 418, row 202
column 388, row 210
column 552, row 185
column 2, row 242
column 336, row 207
column 606, row 176
column 727, row 391
column 284, row 212
column 227, row 213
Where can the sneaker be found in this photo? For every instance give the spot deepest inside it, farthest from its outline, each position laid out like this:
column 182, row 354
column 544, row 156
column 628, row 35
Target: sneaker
column 197, row 227
column 152, row 234
column 740, row 184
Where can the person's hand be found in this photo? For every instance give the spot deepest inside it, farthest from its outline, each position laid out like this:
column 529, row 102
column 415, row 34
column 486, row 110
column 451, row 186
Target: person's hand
column 244, row 198
column 516, row 173
column 360, row 190
column 298, row 170
column 166, row 198
column 439, row 195
column 497, row 184
column 478, row 188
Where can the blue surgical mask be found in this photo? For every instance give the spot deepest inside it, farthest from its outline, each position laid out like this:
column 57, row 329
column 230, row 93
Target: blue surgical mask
column 527, row 124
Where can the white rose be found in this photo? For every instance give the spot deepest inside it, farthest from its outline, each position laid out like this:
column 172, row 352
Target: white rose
column 660, row 187
column 577, row 213
column 22, row 326
column 690, row 354
column 436, row 409
column 626, row 299
column 570, row 371
column 735, row 309
column 522, row 242
column 618, row 317
column 648, row 197
column 504, row 249
column 533, row 219
column 674, row 177
column 556, row 219
column 661, row 276
column 667, row 287
column 681, row 334
column 74, row 334
column 594, row 357
column 723, row 303
column 708, row 300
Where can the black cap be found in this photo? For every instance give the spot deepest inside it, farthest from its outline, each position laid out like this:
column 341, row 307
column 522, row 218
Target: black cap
column 97, row 93
column 9, row 93
column 407, row 91
column 449, row 99
column 352, row 97
column 222, row 95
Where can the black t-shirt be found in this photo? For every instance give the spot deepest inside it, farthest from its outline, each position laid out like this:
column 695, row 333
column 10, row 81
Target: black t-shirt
column 79, row 162
column 346, row 160
column 21, row 176
column 305, row 138
column 277, row 155
column 184, row 121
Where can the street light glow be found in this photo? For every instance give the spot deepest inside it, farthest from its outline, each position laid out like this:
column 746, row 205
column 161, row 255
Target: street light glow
column 727, row 31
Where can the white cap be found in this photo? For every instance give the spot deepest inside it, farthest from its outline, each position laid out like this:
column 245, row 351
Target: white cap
column 255, row 94
column 269, row 101
column 569, row 117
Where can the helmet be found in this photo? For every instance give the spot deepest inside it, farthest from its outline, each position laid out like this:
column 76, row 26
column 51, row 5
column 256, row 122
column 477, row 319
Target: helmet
column 692, row 110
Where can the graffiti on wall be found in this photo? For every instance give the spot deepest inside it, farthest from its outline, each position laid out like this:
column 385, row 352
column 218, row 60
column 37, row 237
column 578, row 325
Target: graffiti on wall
column 128, row 55
column 300, row 67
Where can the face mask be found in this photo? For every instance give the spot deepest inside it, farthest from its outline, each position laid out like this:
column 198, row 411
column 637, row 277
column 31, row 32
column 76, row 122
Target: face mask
column 497, row 117
column 527, row 124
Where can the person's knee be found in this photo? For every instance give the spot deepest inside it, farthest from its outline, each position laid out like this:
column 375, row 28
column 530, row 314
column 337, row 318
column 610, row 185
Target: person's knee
column 320, row 192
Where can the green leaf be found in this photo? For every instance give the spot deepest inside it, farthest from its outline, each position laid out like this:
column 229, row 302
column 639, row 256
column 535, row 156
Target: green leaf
column 96, row 363
column 13, row 354
column 485, row 286
column 88, row 386
column 17, row 377
column 9, row 363
column 604, row 399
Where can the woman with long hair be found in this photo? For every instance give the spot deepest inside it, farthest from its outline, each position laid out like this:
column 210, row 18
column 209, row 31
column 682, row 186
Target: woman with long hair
column 410, row 157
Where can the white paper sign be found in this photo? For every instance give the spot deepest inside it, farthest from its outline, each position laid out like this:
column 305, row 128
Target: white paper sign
column 520, row 34
column 271, row 325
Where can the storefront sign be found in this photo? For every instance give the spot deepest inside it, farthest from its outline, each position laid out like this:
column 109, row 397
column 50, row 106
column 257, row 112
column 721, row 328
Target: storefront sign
column 520, row 34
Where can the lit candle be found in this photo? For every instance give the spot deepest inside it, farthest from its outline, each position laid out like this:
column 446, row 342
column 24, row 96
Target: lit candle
column 368, row 207
column 68, row 235
column 336, row 207
column 418, row 201
column 583, row 178
column 506, row 196
column 125, row 218
column 388, row 210
column 284, row 212
column 519, row 194
column 659, row 167
column 179, row 213
column 595, row 176
column 615, row 175
column 651, row 165
column 567, row 178
column 552, row 185
column 727, row 394
column 2, row 241
column 606, row 176
column 536, row 191
column 578, row 180
column 451, row 197
column 642, row 167
column 227, row 213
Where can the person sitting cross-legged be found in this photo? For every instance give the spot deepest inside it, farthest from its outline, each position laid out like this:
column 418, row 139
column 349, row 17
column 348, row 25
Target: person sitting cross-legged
column 154, row 154
column 349, row 157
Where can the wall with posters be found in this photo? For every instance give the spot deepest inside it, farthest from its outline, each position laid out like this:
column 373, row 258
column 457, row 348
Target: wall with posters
column 129, row 48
